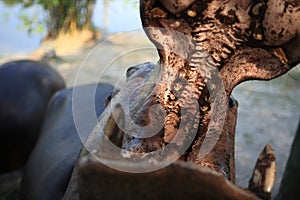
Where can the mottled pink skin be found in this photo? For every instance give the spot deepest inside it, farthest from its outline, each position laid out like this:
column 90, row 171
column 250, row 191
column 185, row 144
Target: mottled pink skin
column 243, row 3
column 281, row 21
column 175, row 6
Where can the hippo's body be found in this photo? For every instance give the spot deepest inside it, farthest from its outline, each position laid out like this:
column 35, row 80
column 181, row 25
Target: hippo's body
column 25, row 89
column 50, row 165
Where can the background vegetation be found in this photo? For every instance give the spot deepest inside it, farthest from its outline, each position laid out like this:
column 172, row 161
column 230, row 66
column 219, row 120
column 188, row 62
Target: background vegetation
column 62, row 16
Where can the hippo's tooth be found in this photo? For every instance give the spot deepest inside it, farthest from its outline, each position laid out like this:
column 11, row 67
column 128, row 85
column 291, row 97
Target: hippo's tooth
column 263, row 178
column 175, row 6
column 270, row 171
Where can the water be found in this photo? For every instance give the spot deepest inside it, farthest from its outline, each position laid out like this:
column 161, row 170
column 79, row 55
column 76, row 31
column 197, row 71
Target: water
column 14, row 40
column 122, row 17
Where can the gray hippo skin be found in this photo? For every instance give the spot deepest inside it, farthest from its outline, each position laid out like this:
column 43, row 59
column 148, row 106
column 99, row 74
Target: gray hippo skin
column 50, row 165
column 290, row 185
column 25, row 89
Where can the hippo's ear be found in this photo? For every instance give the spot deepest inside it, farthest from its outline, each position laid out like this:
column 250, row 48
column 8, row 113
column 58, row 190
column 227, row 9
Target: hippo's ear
column 253, row 64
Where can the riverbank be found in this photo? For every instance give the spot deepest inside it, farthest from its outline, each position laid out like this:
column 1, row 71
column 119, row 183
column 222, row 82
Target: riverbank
column 268, row 111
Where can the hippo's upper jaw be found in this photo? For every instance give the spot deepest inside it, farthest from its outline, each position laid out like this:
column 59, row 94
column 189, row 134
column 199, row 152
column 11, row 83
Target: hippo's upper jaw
column 206, row 48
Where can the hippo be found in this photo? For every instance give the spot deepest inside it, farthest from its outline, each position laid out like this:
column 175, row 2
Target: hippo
column 26, row 87
column 176, row 117
column 51, row 162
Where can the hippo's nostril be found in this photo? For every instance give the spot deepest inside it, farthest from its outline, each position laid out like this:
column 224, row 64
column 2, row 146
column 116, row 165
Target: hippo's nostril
column 175, row 6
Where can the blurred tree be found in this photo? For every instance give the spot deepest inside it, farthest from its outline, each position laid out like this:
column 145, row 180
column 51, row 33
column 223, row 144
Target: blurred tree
column 63, row 15
column 11, row 2
column 105, row 18
column 105, row 14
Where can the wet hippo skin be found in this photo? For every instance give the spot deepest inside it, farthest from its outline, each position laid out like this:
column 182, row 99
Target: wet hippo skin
column 25, row 89
column 51, row 162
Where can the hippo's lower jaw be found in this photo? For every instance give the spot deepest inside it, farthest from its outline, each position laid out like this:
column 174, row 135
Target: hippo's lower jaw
column 180, row 180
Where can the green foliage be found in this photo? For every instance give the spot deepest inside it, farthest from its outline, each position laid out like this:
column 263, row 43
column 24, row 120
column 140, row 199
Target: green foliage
column 32, row 24
column 12, row 2
column 62, row 15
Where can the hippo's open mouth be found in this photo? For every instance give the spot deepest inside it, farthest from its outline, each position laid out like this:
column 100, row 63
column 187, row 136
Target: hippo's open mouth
column 206, row 48
column 181, row 108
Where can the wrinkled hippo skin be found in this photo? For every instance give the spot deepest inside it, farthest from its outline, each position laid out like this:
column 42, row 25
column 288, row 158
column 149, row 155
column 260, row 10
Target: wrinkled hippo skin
column 25, row 89
column 50, row 165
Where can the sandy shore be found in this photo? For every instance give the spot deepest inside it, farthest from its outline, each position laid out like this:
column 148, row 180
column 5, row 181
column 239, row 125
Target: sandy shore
column 268, row 111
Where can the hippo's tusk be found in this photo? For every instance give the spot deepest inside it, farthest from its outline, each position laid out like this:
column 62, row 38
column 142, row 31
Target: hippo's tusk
column 263, row 177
